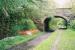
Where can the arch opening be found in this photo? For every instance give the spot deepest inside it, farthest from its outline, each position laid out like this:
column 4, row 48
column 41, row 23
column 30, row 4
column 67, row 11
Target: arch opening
column 65, row 22
column 46, row 25
column 51, row 26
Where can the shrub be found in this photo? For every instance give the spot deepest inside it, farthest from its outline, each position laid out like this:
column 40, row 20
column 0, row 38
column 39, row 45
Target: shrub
column 72, row 24
column 56, row 23
column 23, row 24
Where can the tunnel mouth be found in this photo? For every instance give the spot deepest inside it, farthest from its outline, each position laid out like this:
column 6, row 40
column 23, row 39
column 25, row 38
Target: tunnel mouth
column 47, row 21
column 46, row 25
column 65, row 22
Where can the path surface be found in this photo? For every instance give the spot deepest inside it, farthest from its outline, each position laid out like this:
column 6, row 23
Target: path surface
column 57, row 40
column 30, row 44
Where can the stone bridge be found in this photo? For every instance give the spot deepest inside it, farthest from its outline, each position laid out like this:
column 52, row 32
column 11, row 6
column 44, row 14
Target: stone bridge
column 64, row 13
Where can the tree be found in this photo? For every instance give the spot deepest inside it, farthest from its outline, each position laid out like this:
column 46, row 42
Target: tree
column 12, row 10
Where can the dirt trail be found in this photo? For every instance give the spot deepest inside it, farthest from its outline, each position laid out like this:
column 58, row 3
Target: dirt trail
column 30, row 44
column 57, row 40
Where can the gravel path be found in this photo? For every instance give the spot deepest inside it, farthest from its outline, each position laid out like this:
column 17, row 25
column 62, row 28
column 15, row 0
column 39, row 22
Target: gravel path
column 30, row 44
column 57, row 40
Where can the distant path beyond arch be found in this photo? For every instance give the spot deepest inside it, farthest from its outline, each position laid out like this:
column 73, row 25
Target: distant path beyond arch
column 66, row 22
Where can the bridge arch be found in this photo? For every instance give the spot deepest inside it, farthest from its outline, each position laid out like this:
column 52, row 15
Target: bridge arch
column 47, row 21
column 65, row 21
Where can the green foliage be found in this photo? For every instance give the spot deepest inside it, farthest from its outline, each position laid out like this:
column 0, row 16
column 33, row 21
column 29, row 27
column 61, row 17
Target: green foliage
column 56, row 23
column 15, row 40
column 13, row 10
column 28, row 23
column 28, row 7
column 61, row 23
column 23, row 24
column 67, row 41
column 53, row 24
column 10, row 26
column 72, row 24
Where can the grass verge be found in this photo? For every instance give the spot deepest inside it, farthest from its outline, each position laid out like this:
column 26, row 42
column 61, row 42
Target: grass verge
column 67, row 41
column 47, row 44
column 12, row 41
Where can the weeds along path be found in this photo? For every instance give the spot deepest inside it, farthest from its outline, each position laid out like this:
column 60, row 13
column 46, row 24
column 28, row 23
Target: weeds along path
column 57, row 40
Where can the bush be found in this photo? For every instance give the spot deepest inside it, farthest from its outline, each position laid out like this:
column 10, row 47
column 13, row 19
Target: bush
column 72, row 24
column 27, row 23
column 56, row 23
column 52, row 24
column 23, row 24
